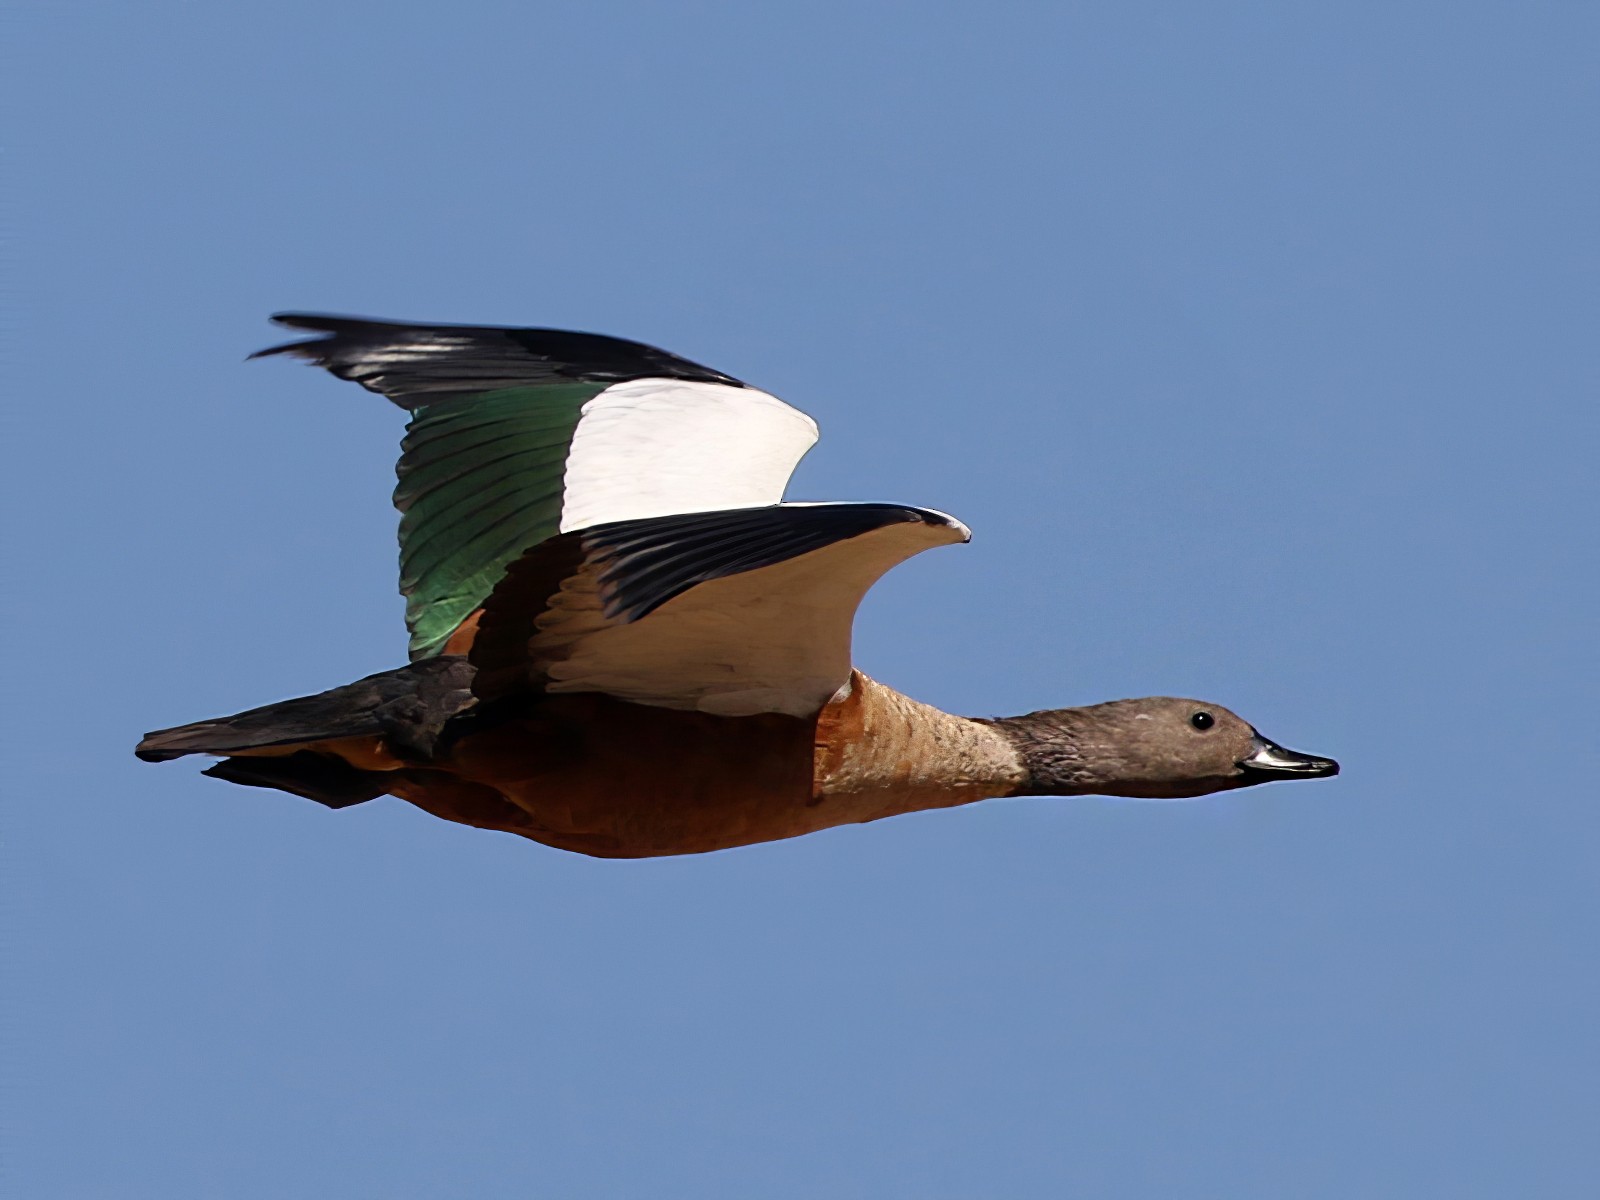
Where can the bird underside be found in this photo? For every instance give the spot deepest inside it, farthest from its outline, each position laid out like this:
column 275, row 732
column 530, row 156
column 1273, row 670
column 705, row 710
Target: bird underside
column 615, row 779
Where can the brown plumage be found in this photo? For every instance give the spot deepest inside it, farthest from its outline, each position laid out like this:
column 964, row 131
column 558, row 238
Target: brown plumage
column 675, row 677
column 609, row 778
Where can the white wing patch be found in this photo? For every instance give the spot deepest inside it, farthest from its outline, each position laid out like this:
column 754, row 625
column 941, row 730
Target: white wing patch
column 776, row 639
column 654, row 447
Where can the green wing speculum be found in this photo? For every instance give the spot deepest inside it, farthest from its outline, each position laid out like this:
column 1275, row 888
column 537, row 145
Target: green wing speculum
column 480, row 482
column 487, row 464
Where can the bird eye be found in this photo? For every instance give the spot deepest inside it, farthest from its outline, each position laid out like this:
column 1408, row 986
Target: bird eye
column 1202, row 720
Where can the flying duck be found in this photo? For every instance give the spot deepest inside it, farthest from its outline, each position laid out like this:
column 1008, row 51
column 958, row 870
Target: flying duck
column 625, row 643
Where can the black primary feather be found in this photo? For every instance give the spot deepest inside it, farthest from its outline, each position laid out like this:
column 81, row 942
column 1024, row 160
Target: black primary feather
column 419, row 364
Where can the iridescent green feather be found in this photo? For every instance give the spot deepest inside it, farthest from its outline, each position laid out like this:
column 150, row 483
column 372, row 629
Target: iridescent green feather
column 480, row 482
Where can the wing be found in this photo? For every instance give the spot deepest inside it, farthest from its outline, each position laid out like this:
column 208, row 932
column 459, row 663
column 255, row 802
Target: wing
column 519, row 434
column 733, row 613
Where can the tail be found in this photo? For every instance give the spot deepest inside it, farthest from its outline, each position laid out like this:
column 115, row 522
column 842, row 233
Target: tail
column 408, row 708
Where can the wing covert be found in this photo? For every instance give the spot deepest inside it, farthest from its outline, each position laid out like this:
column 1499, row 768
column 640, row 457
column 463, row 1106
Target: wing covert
column 519, row 434
column 733, row 612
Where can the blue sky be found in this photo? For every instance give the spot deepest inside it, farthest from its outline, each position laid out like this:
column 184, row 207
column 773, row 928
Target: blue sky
column 1256, row 344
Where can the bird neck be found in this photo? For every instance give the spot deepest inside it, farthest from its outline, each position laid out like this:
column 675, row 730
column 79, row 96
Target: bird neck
column 1062, row 751
column 878, row 753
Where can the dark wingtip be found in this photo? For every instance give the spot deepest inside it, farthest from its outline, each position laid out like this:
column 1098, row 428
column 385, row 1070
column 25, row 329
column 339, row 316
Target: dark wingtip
column 327, row 325
column 941, row 520
column 270, row 350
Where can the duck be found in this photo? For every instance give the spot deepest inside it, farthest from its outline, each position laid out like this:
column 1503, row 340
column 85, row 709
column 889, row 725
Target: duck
column 624, row 641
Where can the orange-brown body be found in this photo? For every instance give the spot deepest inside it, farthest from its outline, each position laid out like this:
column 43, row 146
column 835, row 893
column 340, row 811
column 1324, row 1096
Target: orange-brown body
column 605, row 777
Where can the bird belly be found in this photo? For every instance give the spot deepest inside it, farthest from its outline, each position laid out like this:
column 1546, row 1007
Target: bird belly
column 619, row 780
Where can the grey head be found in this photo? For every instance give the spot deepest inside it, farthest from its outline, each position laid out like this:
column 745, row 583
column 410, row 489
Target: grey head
column 1160, row 747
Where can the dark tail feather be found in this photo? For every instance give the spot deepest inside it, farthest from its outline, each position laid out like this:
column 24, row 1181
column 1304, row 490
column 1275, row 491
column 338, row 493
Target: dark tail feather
column 319, row 777
column 408, row 707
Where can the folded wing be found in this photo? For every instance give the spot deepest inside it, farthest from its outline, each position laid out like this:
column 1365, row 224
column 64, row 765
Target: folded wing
column 517, row 435
column 733, row 613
